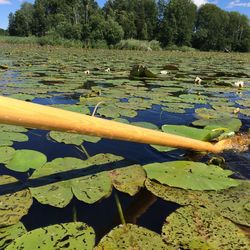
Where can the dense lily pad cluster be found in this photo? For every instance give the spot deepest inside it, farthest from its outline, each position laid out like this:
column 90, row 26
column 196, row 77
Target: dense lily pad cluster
column 134, row 91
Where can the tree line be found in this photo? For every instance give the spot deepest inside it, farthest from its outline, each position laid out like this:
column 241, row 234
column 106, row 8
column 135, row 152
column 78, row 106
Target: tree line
column 171, row 22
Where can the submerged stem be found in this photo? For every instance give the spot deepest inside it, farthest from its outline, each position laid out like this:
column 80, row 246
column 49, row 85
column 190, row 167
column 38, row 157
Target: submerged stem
column 83, row 149
column 74, row 213
column 119, row 207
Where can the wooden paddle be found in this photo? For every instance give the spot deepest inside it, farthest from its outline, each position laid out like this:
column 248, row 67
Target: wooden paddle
column 30, row 115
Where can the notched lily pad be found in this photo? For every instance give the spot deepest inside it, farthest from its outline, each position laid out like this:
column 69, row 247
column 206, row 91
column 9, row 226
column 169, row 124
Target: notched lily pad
column 128, row 179
column 23, row 160
column 13, row 205
column 75, row 235
column 190, row 175
column 70, row 138
column 68, row 176
column 199, row 228
column 131, row 236
column 6, row 153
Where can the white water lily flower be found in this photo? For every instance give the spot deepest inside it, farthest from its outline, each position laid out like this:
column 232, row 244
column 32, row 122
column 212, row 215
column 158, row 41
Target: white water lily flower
column 164, row 72
column 87, row 72
column 107, row 70
column 239, row 84
column 198, row 80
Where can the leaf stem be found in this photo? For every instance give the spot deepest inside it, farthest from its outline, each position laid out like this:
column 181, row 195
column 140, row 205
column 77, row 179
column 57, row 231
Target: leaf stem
column 119, row 207
column 85, row 151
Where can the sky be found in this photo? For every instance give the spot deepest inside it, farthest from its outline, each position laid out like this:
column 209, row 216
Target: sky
column 242, row 6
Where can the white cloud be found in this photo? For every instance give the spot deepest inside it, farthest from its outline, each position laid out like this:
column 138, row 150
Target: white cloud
column 238, row 3
column 199, row 2
column 5, row 2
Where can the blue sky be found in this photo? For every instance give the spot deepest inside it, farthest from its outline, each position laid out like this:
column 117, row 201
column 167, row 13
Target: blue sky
column 242, row 6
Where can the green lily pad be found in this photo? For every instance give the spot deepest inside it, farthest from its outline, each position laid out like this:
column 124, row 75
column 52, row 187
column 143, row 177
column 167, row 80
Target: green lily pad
column 145, row 125
column 190, row 175
column 7, row 138
column 12, row 128
column 88, row 187
column 24, row 159
column 231, row 203
column 70, row 138
column 13, row 206
column 75, row 235
column 74, row 108
column 131, row 236
column 194, row 133
column 128, row 179
column 8, row 234
column 229, row 124
column 199, row 228
column 162, row 148
column 6, row 154
column 23, row 97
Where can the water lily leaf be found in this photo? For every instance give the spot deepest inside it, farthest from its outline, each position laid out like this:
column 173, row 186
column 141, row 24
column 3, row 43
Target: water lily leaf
column 13, row 206
column 70, row 138
column 131, row 236
column 231, row 124
column 145, row 125
column 23, row 97
column 190, row 175
column 162, row 148
column 8, row 234
column 7, row 138
column 74, row 108
column 24, row 159
column 12, row 128
column 231, row 203
column 194, row 133
column 88, row 187
column 205, row 113
column 199, row 228
column 75, row 235
column 6, row 153
column 128, row 179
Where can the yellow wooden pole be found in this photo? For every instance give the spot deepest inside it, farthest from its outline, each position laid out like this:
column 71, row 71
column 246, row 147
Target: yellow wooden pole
column 30, row 115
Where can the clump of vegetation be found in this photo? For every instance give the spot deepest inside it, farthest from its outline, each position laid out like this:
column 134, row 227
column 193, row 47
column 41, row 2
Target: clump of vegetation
column 133, row 44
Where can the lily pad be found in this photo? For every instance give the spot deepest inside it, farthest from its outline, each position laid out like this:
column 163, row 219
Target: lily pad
column 24, row 159
column 8, row 234
column 75, row 235
column 6, row 153
column 7, row 138
column 14, row 205
column 232, row 203
column 128, row 179
column 190, row 175
column 88, row 187
column 70, row 138
column 229, row 124
column 194, row 133
column 199, row 228
column 131, row 236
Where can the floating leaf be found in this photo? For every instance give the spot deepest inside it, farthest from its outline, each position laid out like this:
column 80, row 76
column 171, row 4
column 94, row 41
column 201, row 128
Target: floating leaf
column 13, row 205
column 232, row 203
column 131, row 236
column 8, row 234
column 12, row 128
column 231, row 124
column 7, row 138
column 23, row 97
column 199, row 228
column 190, row 175
column 6, row 153
column 75, row 235
column 70, row 176
column 70, row 138
column 194, row 133
column 24, row 159
column 128, row 179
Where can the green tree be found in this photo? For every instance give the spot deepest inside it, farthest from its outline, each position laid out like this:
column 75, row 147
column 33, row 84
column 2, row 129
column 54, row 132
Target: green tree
column 178, row 22
column 211, row 28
